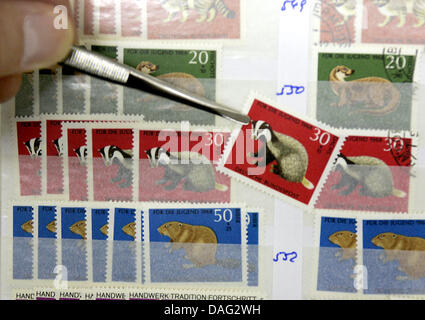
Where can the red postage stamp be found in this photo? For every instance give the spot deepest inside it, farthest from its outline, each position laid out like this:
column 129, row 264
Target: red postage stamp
column 400, row 22
column 75, row 161
column 194, row 19
column 29, row 157
column 283, row 154
column 53, row 145
column 371, row 173
column 112, row 164
column 181, row 166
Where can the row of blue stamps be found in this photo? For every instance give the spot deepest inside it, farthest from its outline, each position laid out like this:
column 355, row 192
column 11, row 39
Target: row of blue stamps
column 371, row 255
column 144, row 243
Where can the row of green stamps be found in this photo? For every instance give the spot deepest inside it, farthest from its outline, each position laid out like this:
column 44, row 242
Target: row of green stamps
column 361, row 90
column 64, row 91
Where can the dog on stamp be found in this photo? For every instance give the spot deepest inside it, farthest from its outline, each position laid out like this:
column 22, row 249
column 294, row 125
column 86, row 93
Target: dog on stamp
column 181, row 80
column 123, row 159
column 372, row 174
column 347, row 241
column 379, row 95
column 199, row 242
column 208, row 9
column 391, row 9
column 289, row 154
column 409, row 251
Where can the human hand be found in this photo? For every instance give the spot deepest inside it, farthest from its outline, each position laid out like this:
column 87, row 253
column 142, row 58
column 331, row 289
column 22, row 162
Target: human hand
column 29, row 40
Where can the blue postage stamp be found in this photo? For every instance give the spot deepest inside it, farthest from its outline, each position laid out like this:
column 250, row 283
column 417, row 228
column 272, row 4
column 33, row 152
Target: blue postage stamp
column 74, row 242
column 253, row 250
column 100, row 232
column 394, row 256
column 23, row 242
column 337, row 255
column 124, row 257
column 196, row 244
column 47, row 242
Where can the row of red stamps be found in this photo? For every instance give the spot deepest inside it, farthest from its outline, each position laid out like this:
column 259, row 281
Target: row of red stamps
column 291, row 157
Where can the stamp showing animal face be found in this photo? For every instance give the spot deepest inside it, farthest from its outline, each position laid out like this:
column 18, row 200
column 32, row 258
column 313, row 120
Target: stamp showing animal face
column 180, row 171
column 367, row 91
column 29, row 157
column 337, row 254
column 194, row 19
column 194, row 244
column 47, row 222
column 337, row 21
column 393, row 21
column 283, row 153
column 112, row 164
column 393, row 253
column 77, row 161
column 74, row 224
column 192, row 70
column 368, row 176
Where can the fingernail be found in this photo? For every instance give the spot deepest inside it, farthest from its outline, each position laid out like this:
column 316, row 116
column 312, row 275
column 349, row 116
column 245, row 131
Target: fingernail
column 44, row 45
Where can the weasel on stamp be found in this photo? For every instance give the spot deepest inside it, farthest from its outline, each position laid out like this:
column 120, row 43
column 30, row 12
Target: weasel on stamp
column 193, row 168
column 347, row 241
column 123, row 158
column 290, row 154
column 372, row 174
column 409, row 251
column 378, row 94
column 208, row 9
column 400, row 9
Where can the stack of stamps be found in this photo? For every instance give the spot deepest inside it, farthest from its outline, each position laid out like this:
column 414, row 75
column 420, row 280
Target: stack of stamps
column 139, row 197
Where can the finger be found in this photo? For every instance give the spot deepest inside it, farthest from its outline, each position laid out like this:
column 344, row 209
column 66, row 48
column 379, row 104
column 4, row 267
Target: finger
column 29, row 38
column 9, row 87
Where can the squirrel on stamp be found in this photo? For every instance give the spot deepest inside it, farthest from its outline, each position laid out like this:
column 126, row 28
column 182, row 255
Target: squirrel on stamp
column 401, row 8
column 409, row 251
column 372, row 91
column 372, row 174
column 290, row 155
column 347, row 241
column 208, row 9
column 193, row 168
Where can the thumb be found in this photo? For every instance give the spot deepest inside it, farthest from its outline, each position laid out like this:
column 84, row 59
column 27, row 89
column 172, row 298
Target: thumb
column 29, row 38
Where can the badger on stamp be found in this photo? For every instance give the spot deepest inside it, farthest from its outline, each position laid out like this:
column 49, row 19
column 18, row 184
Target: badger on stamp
column 113, row 155
column 34, row 147
column 194, row 169
column 289, row 154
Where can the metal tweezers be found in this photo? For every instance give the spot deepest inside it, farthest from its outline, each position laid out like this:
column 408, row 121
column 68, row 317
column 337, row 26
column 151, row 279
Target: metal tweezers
column 99, row 66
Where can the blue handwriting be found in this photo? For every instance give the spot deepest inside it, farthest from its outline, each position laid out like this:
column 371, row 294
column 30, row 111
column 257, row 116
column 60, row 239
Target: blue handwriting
column 294, row 4
column 286, row 256
column 291, row 90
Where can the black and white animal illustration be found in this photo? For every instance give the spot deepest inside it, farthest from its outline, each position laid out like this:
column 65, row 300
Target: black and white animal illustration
column 289, row 155
column 81, row 153
column 34, row 147
column 58, row 143
column 372, row 174
column 123, row 158
column 194, row 169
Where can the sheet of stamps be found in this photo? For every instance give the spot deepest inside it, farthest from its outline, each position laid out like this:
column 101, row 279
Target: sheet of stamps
column 280, row 153
column 64, row 245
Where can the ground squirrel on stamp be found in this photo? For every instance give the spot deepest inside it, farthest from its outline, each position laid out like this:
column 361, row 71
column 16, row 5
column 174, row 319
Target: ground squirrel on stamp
column 409, row 251
column 28, row 226
column 193, row 168
column 129, row 229
column 199, row 242
column 379, row 95
column 51, row 226
column 79, row 228
column 372, row 174
column 347, row 241
column 290, row 154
